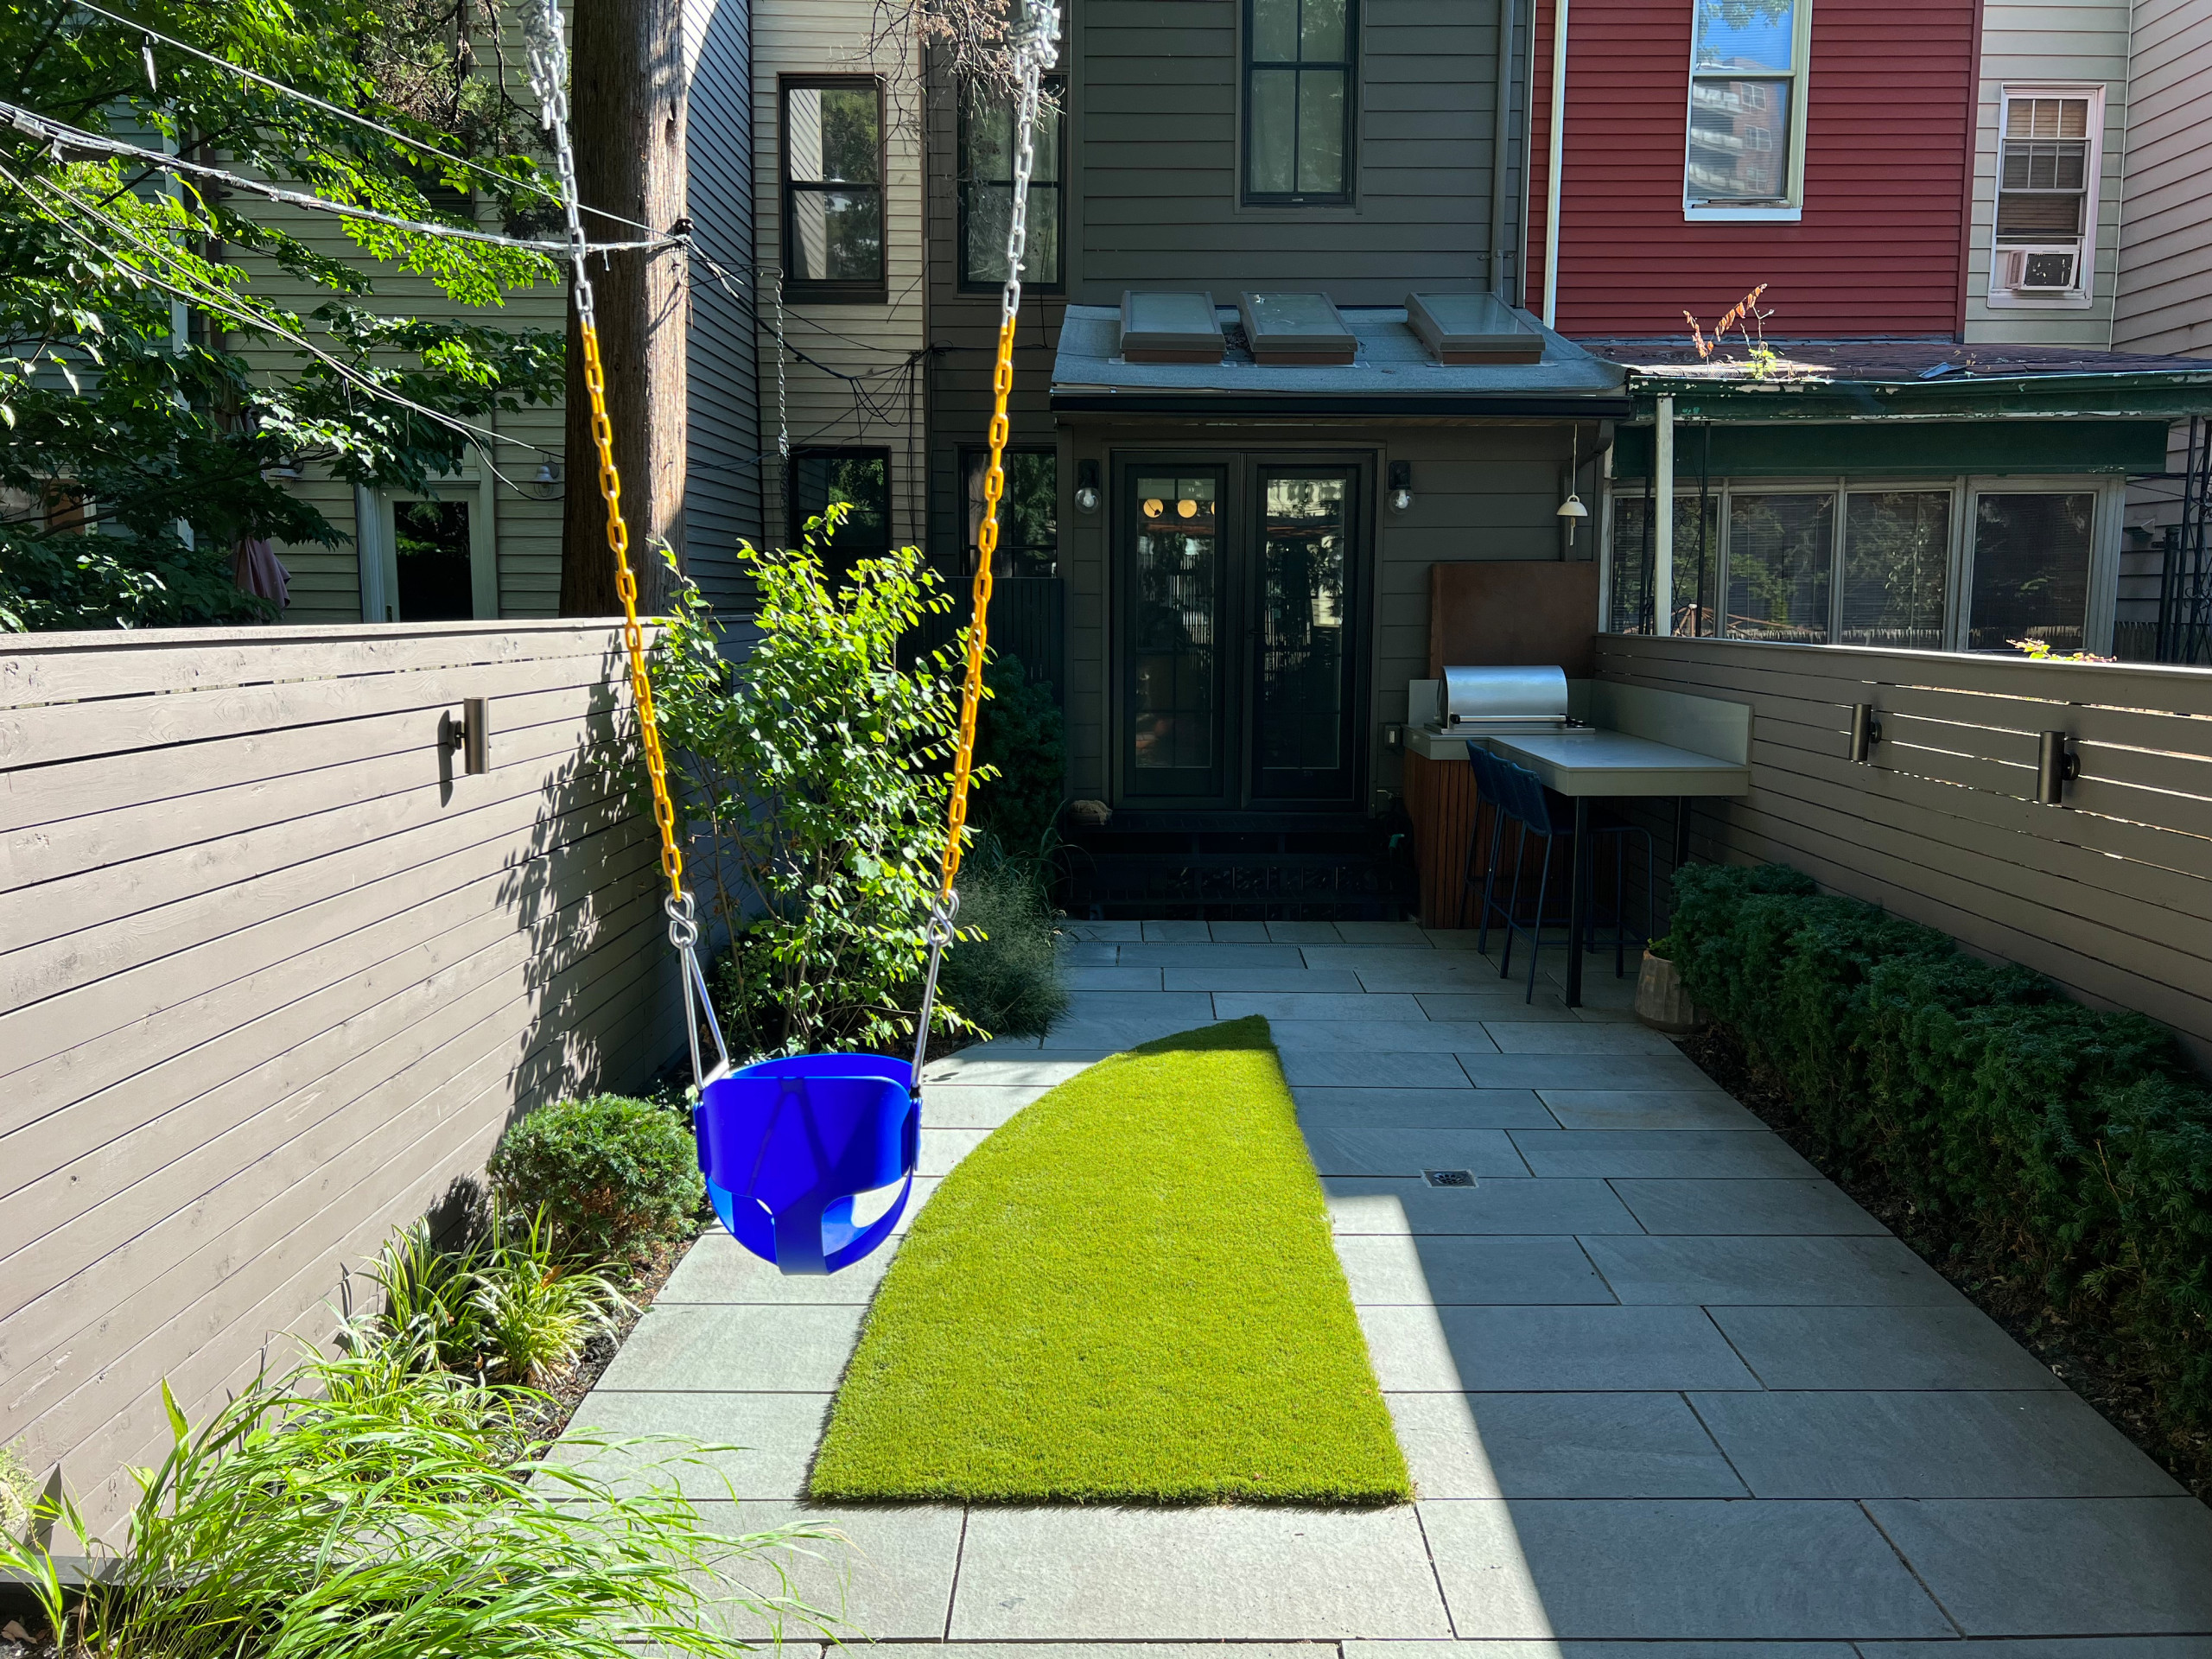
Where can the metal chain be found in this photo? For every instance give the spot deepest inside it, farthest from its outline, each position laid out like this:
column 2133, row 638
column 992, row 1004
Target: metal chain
column 549, row 76
column 1036, row 34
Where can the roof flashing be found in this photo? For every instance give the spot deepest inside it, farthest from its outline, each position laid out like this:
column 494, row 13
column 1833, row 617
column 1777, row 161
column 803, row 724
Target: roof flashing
column 1296, row 330
column 1168, row 326
column 1473, row 328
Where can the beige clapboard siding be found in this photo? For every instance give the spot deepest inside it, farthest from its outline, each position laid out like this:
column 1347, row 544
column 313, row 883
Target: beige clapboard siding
column 2109, row 895
column 2027, row 41
column 802, row 37
column 2164, row 303
column 273, row 978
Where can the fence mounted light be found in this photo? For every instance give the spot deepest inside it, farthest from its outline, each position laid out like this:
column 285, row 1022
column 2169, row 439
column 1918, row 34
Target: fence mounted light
column 1865, row 733
column 470, row 736
column 1086, row 487
column 1401, row 485
column 2056, row 765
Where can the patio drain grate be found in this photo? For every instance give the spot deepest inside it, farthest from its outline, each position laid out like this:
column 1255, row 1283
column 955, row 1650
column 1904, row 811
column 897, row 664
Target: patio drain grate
column 1450, row 1176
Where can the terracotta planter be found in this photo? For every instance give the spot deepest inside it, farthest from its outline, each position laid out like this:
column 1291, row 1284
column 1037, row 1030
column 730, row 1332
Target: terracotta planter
column 1661, row 1001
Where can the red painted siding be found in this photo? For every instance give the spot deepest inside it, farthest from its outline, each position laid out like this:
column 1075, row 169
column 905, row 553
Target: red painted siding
column 1888, row 158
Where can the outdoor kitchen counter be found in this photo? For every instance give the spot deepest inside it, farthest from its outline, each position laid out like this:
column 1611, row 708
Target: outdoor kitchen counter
column 1593, row 762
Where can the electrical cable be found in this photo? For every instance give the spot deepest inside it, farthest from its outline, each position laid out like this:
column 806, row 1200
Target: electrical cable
column 57, row 133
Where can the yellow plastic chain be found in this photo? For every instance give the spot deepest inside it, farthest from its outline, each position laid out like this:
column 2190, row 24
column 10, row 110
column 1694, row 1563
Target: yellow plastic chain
column 633, row 637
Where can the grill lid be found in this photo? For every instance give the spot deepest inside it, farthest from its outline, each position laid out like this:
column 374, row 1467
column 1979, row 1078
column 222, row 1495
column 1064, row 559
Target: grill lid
column 1524, row 695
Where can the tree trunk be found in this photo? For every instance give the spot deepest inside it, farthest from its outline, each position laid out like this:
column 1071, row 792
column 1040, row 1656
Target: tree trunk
column 627, row 95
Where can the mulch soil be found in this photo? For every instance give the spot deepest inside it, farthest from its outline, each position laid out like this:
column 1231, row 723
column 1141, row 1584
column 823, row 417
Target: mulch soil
column 2085, row 1354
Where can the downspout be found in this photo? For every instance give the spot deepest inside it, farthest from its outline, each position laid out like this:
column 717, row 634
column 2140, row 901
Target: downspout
column 1663, row 516
column 1500, row 178
column 1558, row 137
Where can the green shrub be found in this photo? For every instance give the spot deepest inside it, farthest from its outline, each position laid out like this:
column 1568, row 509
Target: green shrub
column 1000, row 973
column 536, row 1310
column 613, row 1175
column 1021, row 736
column 2075, row 1142
column 18, row 1494
column 357, row 1509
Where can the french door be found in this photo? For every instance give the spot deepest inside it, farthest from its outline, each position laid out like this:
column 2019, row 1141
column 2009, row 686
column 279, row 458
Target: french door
column 1240, row 614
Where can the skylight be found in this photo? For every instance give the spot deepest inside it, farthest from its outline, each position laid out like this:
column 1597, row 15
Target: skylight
column 1296, row 329
column 1473, row 328
column 1170, row 327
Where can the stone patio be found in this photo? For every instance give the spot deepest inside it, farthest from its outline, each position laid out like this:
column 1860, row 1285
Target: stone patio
column 1666, row 1392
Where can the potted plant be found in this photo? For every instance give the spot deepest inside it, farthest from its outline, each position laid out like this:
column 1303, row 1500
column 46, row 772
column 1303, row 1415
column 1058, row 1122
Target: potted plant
column 1661, row 1001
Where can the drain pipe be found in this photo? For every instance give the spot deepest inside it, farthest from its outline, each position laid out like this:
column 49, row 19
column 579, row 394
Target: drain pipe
column 1663, row 516
column 1501, row 175
column 1551, row 171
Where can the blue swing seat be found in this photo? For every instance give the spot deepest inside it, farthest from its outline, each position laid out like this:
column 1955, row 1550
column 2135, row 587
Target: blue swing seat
column 787, row 1145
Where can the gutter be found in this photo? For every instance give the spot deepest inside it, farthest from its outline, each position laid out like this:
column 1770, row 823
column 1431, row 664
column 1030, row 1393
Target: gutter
column 1501, row 175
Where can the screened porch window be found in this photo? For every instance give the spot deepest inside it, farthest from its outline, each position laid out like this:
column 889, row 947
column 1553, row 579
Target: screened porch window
column 1298, row 100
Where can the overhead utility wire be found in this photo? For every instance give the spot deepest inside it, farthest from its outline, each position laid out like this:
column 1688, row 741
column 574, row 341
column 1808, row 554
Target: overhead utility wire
column 428, row 149
column 57, row 133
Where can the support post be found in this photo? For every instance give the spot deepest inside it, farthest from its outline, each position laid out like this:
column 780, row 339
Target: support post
column 1662, row 518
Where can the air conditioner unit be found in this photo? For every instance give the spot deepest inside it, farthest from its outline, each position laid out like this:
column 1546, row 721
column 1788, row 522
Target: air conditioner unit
column 2042, row 271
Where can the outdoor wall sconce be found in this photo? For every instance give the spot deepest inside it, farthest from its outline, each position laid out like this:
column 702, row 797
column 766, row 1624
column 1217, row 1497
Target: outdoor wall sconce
column 1865, row 733
column 1086, row 487
column 547, row 486
column 471, row 735
column 1572, row 509
column 1401, row 485
column 2056, row 765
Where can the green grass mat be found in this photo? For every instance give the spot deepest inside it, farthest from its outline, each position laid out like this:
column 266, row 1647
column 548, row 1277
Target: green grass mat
column 1126, row 1294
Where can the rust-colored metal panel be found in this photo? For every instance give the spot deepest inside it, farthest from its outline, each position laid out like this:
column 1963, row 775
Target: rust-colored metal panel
column 1507, row 613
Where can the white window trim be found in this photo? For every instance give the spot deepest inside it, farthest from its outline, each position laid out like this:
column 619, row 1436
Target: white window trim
column 1965, row 492
column 1792, row 210
column 2082, row 299
column 380, row 562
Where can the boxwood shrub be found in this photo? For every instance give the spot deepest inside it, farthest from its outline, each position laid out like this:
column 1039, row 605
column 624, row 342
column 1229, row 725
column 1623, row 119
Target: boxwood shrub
column 613, row 1175
column 2075, row 1141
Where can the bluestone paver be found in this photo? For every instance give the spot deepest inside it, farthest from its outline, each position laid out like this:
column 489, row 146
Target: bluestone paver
column 1780, row 1207
column 1558, row 1445
column 1646, row 1109
column 798, row 1348
column 1635, row 1350
column 886, row 1575
column 1112, row 979
column 1311, row 982
column 1328, row 1068
column 1880, row 1348
column 1385, row 1268
column 1389, row 1037
column 1954, row 1443
column 1660, row 1154
column 1340, row 1151
column 1488, row 1071
column 1709, row 1568
column 764, row 1442
column 1502, row 1204
column 1571, row 1037
column 1423, row 1108
column 2021, row 1566
column 718, row 1268
column 1792, row 1271
column 1284, row 1005
column 975, row 1105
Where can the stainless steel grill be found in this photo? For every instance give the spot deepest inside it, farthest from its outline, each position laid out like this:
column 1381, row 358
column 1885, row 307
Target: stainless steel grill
column 1524, row 699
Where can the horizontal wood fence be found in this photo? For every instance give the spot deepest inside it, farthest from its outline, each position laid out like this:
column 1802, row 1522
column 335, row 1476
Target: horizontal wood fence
column 274, row 972
column 2110, row 895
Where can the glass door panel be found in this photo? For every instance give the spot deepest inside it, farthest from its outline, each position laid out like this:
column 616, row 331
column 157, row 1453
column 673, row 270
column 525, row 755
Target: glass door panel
column 2032, row 570
column 1177, row 590
column 1302, row 732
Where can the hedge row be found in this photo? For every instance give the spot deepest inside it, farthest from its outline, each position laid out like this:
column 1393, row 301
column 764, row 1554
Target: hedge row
column 2077, row 1142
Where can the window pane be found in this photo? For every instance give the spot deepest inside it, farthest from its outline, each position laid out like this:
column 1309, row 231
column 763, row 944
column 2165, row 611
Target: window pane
column 2031, row 218
column 836, row 235
column 1746, row 34
column 1321, row 132
column 1697, row 566
column 1739, row 140
column 430, row 547
column 863, row 483
column 1779, row 553
column 2032, row 570
column 1321, row 32
column 1274, row 31
column 1896, row 547
column 2047, row 117
column 1275, row 131
column 990, row 211
column 1177, row 591
column 832, row 134
column 1028, row 512
column 987, row 133
column 1302, row 563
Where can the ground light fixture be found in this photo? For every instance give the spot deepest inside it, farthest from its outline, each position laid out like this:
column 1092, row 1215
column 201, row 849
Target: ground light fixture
column 1086, row 487
column 1401, row 485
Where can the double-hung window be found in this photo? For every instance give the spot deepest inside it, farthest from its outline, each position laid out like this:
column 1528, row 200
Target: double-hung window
column 833, row 188
column 1299, row 100
column 2047, row 159
column 987, row 192
column 857, row 480
column 1746, row 142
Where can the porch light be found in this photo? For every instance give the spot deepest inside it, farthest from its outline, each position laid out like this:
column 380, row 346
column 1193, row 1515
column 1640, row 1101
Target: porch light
column 1086, row 487
column 1401, row 485
column 1572, row 509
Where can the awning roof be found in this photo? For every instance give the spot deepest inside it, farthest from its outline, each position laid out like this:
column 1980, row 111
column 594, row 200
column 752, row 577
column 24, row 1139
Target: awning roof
column 1909, row 379
column 1393, row 374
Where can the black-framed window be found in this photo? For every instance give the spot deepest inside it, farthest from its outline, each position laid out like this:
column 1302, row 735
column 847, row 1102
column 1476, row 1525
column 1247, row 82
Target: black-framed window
column 861, row 479
column 1298, row 99
column 833, row 166
column 1029, row 512
column 985, row 185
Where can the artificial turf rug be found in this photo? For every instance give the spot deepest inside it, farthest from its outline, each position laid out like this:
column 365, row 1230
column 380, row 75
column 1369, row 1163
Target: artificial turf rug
column 1126, row 1294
